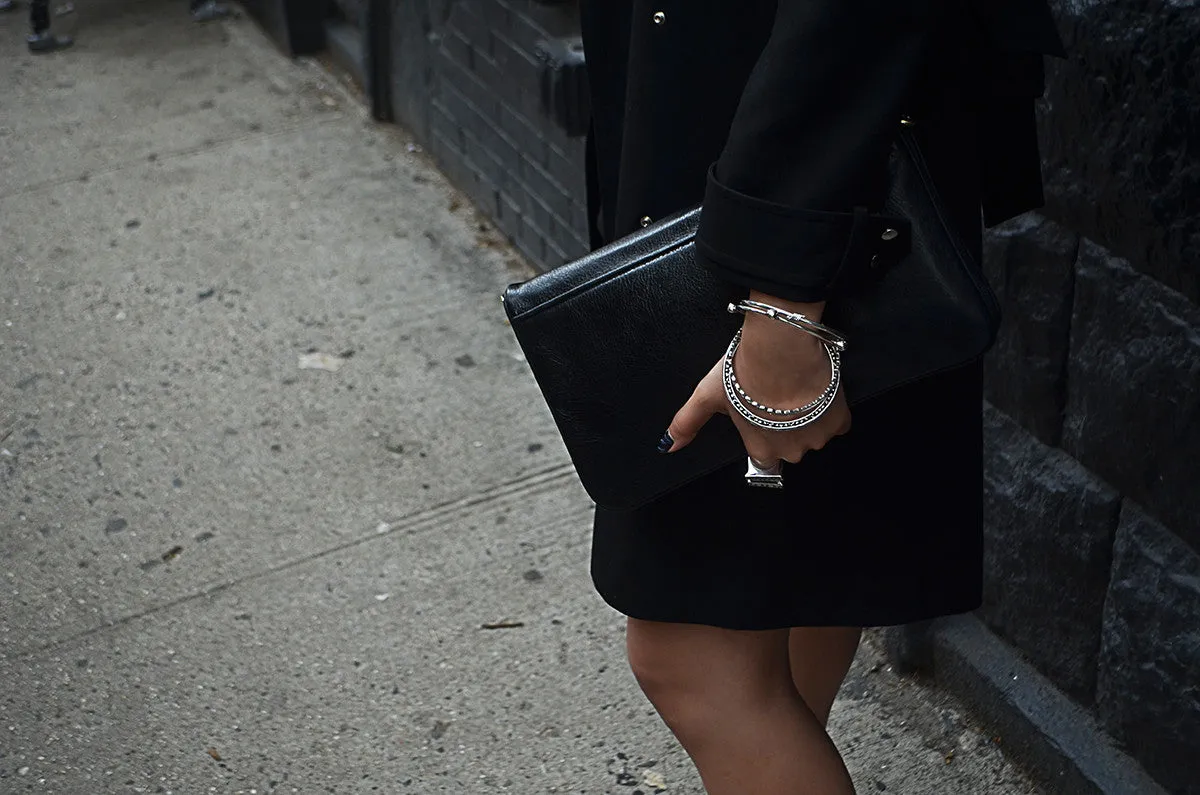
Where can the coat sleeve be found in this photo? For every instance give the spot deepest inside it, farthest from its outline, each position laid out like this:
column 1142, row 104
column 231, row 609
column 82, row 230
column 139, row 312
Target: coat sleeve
column 788, row 202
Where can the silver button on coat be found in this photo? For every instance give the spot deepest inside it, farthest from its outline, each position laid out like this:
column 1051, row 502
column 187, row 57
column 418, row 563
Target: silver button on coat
column 659, row 17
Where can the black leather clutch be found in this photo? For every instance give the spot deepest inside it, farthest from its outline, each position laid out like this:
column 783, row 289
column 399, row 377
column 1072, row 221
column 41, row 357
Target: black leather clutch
column 618, row 340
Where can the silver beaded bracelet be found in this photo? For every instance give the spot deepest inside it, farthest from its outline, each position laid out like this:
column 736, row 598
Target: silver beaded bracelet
column 812, row 404
column 811, row 411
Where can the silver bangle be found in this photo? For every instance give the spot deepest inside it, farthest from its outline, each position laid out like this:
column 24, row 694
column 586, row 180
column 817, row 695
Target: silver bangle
column 812, row 404
column 794, row 319
column 822, row 404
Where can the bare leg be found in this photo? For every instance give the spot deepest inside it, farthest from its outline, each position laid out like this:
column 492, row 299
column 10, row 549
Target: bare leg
column 820, row 658
column 730, row 699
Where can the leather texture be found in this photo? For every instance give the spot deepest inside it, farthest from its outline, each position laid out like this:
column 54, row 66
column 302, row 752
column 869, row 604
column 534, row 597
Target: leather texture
column 618, row 340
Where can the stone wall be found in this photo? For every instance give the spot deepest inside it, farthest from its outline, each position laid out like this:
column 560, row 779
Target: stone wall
column 1093, row 429
column 1093, row 507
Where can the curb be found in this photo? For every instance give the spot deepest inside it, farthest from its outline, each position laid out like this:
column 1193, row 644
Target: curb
column 1059, row 742
column 346, row 45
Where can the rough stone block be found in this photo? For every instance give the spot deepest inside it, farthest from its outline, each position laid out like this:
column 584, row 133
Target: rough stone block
column 1030, row 263
column 1133, row 388
column 1118, row 133
column 1149, row 691
column 1049, row 529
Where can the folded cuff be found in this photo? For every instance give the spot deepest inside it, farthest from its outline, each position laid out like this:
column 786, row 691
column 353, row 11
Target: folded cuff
column 788, row 252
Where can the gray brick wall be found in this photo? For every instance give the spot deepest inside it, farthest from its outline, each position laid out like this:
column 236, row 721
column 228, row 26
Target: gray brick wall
column 486, row 127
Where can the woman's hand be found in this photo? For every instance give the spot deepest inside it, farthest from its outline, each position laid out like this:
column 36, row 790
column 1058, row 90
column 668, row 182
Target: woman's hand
column 779, row 366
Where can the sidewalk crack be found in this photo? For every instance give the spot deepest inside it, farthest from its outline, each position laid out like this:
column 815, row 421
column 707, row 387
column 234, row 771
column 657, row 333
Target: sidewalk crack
column 519, row 489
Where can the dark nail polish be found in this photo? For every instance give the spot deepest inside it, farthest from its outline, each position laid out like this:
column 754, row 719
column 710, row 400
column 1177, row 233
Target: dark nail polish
column 666, row 443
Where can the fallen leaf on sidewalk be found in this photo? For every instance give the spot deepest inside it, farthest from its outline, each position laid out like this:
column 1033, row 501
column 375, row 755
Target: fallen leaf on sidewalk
column 321, row 361
column 213, row 753
column 171, row 554
column 504, row 625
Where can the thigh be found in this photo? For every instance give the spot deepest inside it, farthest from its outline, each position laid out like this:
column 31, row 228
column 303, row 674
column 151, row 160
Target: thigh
column 820, row 658
column 699, row 657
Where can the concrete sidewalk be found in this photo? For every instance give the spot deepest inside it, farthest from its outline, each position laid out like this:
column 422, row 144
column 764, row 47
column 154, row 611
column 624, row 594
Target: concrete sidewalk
column 225, row 573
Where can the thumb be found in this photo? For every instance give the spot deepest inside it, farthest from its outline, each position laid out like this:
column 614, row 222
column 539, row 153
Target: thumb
column 690, row 419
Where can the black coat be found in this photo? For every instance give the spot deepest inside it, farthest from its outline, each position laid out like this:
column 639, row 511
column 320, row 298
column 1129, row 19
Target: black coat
column 780, row 115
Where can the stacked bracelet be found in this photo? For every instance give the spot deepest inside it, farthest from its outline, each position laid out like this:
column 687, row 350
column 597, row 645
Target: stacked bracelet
column 832, row 387
column 808, row 414
column 833, row 342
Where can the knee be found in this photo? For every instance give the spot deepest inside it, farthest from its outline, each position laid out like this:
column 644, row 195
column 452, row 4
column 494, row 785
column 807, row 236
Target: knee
column 675, row 689
column 700, row 679
column 662, row 675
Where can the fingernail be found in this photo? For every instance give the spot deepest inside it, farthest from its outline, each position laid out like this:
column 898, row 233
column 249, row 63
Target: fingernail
column 666, row 443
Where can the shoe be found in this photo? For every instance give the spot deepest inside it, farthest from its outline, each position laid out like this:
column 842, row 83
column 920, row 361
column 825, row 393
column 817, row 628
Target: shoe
column 209, row 10
column 40, row 43
column 8, row 5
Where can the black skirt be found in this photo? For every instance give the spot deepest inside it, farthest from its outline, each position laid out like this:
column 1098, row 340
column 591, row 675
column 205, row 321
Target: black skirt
column 882, row 527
